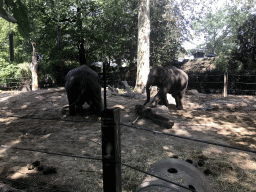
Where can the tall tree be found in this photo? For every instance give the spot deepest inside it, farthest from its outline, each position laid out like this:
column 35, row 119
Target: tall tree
column 15, row 12
column 219, row 25
column 168, row 26
column 143, row 44
column 246, row 41
column 34, row 68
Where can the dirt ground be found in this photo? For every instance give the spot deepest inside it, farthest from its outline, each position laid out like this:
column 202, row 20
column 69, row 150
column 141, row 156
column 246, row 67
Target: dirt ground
column 213, row 118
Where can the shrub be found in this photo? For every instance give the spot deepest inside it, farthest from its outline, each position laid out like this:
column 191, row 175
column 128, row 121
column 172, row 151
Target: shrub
column 7, row 69
column 221, row 62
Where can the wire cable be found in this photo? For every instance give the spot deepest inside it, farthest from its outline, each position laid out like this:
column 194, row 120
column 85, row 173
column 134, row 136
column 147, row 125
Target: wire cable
column 53, row 153
column 50, row 119
column 189, row 138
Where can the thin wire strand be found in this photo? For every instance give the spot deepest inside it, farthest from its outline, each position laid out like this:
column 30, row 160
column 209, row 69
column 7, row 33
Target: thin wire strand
column 53, row 153
column 189, row 138
column 144, row 129
column 93, row 158
column 51, row 119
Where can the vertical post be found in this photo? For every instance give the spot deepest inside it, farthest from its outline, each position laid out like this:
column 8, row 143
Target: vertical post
column 11, row 47
column 111, row 150
column 104, row 75
column 225, row 91
column 10, row 42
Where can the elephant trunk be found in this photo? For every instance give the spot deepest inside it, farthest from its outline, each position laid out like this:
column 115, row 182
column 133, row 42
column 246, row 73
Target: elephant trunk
column 148, row 93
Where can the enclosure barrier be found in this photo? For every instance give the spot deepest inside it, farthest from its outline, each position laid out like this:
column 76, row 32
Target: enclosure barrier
column 15, row 83
column 111, row 149
column 227, row 83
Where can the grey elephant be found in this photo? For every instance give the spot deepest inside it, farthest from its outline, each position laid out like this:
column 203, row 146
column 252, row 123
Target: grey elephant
column 169, row 80
column 83, row 85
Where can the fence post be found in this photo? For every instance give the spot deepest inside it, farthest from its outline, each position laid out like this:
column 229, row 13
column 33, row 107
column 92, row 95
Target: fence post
column 11, row 47
column 225, row 91
column 111, row 150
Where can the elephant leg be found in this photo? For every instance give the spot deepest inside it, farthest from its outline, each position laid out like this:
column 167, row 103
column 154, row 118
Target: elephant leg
column 72, row 107
column 72, row 98
column 161, row 95
column 178, row 98
column 72, row 110
column 79, row 108
column 163, row 101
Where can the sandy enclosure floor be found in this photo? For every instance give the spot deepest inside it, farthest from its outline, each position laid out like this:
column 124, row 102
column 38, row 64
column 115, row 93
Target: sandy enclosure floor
column 213, row 118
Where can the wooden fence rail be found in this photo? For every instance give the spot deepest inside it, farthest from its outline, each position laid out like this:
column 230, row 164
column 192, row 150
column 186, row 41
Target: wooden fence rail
column 235, row 84
column 14, row 83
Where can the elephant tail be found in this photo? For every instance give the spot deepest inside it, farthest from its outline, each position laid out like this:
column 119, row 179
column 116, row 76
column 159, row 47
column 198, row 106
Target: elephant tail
column 78, row 99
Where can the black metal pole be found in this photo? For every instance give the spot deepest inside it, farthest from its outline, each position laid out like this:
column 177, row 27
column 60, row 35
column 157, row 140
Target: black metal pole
column 11, row 47
column 111, row 150
column 105, row 91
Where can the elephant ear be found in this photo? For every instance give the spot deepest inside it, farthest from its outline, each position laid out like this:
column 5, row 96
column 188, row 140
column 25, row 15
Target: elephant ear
column 162, row 74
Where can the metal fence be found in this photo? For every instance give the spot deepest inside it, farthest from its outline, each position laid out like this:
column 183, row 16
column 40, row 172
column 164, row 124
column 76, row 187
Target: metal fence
column 236, row 84
column 15, row 83
column 111, row 150
column 204, row 83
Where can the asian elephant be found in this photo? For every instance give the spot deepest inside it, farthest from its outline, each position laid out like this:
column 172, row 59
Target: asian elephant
column 169, row 80
column 83, row 85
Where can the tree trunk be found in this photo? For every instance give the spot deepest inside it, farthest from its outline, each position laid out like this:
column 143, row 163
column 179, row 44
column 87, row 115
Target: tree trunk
column 225, row 91
column 82, row 59
column 81, row 50
column 34, row 68
column 143, row 45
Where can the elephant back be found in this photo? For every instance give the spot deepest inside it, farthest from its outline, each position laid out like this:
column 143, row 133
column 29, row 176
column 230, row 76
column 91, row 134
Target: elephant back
column 178, row 78
column 80, row 77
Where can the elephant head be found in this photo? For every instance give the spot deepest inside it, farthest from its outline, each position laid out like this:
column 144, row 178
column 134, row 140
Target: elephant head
column 169, row 80
column 156, row 77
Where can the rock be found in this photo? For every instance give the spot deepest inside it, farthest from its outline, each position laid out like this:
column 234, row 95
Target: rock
column 33, row 165
column 160, row 109
column 177, row 171
column 193, row 92
column 25, row 88
column 155, row 118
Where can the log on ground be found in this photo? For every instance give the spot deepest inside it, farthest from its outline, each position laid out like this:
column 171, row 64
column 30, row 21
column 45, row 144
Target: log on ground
column 146, row 112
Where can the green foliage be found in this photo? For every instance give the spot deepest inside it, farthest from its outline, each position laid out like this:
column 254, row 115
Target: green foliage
column 10, row 69
column 94, row 29
column 246, row 44
column 59, row 68
column 104, row 28
column 166, row 31
column 17, row 13
column 219, row 27
column 221, row 62
column 19, row 54
column 23, row 70
column 7, row 70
